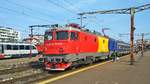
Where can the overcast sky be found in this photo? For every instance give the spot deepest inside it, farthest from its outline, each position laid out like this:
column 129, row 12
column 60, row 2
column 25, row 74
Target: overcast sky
column 19, row 14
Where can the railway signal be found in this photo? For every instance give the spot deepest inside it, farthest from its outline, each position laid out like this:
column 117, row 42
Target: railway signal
column 130, row 11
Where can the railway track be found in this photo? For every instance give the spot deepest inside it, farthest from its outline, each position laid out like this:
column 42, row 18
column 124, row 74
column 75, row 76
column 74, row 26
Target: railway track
column 25, row 79
column 34, row 78
column 13, row 70
column 20, row 67
column 19, row 71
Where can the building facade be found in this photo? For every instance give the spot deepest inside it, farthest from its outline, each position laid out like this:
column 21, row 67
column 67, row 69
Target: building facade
column 36, row 39
column 9, row 34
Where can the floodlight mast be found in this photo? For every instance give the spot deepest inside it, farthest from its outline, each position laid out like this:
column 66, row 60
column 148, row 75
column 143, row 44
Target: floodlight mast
column 130, row 11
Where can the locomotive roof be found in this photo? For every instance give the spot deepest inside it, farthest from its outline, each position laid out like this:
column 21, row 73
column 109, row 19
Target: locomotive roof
column 73, row 28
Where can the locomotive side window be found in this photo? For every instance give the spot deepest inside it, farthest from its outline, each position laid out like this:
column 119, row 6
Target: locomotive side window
column 8, row 47
column 95, row 40
column 103, row 41
column 48, row 36
column 74, row 36
column 61, row 35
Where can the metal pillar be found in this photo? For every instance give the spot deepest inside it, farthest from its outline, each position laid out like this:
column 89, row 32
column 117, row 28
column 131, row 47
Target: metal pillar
column 132, row 12
column 31, row 37
column 81, row 18
column 142, row 44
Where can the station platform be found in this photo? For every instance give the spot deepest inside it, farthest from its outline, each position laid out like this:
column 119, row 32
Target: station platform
column 120, row 72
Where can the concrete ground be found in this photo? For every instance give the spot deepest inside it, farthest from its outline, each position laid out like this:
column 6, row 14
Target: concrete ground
column 119, row 72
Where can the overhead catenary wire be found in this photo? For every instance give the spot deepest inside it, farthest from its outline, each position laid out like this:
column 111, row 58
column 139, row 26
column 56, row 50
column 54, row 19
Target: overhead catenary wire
column 25, row 14
column 29, row 9
column 72, row 5
column 60, row 6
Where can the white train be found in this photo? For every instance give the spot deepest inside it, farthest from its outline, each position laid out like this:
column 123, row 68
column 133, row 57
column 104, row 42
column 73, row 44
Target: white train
column 15, row 50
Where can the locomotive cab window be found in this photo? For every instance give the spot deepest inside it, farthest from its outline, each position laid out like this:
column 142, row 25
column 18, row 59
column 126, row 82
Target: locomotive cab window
column 74, row 36
column 61, row 35
column 48, row 36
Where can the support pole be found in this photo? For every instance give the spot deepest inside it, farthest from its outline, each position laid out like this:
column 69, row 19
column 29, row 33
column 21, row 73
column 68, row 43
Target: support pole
column 132, row 12
column 31, row 37
column 142, row 44
column 81, row 19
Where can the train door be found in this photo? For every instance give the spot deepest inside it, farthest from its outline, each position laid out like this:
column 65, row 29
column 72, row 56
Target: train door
column 1, row 52
column 1, row 49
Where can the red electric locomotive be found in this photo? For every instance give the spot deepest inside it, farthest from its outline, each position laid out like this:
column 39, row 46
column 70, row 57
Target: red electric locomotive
column 71, row 46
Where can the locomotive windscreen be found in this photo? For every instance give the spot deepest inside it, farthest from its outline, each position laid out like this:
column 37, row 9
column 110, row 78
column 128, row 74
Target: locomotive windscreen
column 48, row 36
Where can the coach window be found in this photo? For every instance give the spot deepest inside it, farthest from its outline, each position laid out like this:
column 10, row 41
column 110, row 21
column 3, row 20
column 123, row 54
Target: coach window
column 27, row 47
column 61, row 35
column 8, row 47
column 15, row 47
column 33, row 48
column 21, row 47
column 74, row 36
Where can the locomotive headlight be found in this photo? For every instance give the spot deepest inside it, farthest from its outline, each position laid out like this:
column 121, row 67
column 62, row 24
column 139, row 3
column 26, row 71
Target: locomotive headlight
column 61, row 50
